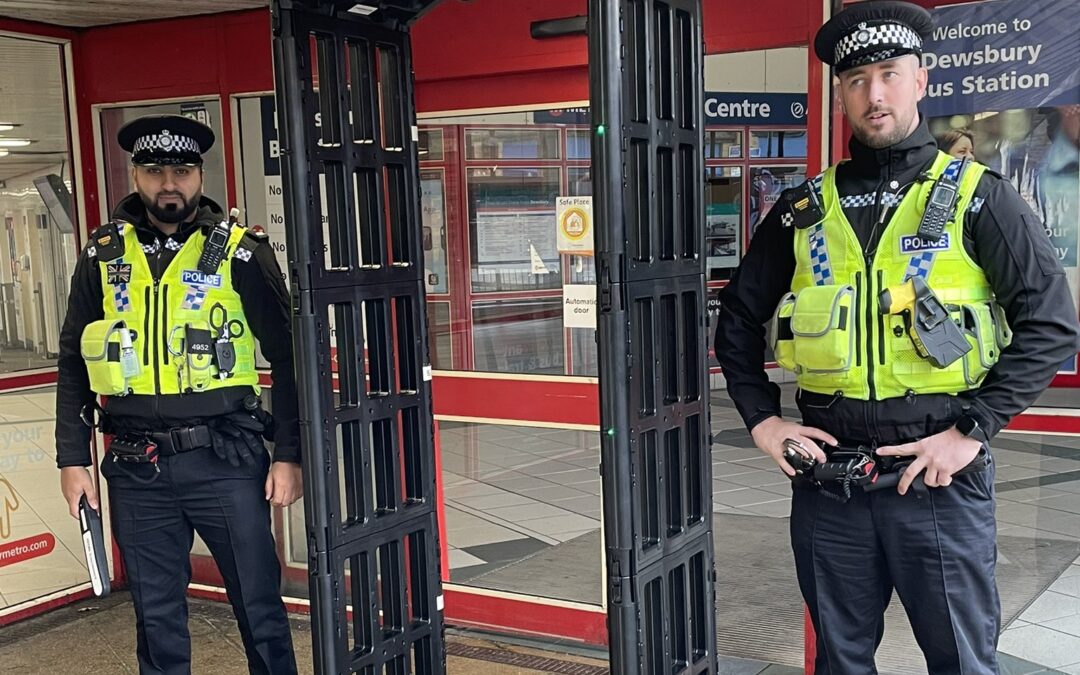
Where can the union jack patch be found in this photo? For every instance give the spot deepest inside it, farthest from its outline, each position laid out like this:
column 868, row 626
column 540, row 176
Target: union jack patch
column 118, row 273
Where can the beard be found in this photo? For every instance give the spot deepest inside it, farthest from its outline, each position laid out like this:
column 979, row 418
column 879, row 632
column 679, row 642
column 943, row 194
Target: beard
column 171, row 213
column 879, row 140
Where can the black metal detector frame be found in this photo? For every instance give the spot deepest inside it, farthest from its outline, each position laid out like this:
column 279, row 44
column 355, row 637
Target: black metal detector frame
column 347, row 125
column 646, row 82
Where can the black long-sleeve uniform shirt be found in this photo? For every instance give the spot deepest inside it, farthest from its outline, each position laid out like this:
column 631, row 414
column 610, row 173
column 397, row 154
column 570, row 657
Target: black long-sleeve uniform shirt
column 259, row 283
column 1003, row 236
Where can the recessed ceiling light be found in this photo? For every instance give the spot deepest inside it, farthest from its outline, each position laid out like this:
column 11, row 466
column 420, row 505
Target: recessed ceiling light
column 14, row 142
column 363, row 10
column 7, row 126
column 3, row 153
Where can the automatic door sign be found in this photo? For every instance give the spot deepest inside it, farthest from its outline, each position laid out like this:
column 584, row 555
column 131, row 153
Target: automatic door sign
column 579, row 306
column 573, row 218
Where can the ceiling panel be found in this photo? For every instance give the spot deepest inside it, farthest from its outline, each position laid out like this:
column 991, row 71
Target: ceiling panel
column 32, row 95
column 84, row 13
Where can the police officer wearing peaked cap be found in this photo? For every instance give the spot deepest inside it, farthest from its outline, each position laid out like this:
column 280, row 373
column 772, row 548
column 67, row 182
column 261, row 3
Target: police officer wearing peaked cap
column 167, row 300
column 813, row 279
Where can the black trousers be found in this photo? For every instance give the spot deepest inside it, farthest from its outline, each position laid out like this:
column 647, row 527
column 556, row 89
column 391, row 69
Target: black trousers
column 154, row 524
column 938, row 553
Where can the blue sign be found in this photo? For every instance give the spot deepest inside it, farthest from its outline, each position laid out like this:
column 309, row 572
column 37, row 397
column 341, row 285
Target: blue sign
column 721, row 107
column 725, row 107
column 1003, row 55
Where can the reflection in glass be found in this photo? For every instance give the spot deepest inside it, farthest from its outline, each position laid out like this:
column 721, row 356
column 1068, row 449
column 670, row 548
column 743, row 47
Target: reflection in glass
column 39, row 243
column 522, row 505
column 439, row 344
column 433, row 240
column 519, row 336
column 785, row 143
column 512, row 229
column 585, row 358
column 723, row 220
column 766, row 184
column 579, row 181
column 512, row 143
column 723, row 144
column 430, row 145
column 577, row 144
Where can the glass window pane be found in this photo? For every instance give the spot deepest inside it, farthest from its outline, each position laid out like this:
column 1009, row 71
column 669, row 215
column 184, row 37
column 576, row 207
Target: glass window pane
column 723, row 144
column 439, row 344
column 512, row 229
column 39, row 240
column 579, row 181
column 519, row 336
column 540, row 506
column 433, row 214
column 581, row 270
column 723, row 220
column 583, row 342
column 789, row 143
column 516, row 143
column 578, row 144
column 766, row 184
column 430, row 145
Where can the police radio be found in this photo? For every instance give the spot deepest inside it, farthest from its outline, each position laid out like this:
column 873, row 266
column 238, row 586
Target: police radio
column 941, row 206
column 214, row 248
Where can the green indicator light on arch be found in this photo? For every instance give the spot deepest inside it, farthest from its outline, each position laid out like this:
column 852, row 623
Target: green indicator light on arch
column 611, row 431
column 601, row 130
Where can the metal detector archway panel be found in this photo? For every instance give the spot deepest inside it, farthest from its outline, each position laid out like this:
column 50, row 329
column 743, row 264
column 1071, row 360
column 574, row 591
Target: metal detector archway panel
column 350, row 175
column 645, row 62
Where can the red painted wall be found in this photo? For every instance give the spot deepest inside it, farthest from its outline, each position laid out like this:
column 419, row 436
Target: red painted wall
column 218, row 56
column 489, row 58
column 466, row 55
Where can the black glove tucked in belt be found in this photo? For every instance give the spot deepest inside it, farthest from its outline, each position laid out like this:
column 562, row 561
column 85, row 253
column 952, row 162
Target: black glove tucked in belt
column 237, row 437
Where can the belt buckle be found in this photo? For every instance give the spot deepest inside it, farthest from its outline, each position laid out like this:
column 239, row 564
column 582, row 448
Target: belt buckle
column 174, row 439
column 178, row 436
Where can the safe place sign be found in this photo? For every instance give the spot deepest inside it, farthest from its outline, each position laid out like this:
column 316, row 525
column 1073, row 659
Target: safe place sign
column 1003, row 55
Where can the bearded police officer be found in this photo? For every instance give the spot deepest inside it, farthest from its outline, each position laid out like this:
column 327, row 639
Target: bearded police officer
column 920, row 304
column 166, row 303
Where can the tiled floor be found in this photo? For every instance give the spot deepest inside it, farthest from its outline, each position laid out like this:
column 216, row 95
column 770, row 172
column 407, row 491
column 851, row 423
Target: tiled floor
column 513, row 493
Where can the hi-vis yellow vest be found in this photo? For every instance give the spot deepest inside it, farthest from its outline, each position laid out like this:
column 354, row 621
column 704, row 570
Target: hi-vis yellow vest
column 169, row 322
column 829, row 329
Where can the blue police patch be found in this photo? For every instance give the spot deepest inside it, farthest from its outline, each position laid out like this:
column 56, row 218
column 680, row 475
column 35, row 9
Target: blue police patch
column 913, row 243
column 197, row 278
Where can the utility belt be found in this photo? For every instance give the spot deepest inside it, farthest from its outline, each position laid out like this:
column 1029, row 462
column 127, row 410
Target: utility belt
column 141, row 447
column 861, row 467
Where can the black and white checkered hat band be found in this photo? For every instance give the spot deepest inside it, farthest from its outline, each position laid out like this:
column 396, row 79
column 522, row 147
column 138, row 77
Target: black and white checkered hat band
column 166, row 142
column 882, row 35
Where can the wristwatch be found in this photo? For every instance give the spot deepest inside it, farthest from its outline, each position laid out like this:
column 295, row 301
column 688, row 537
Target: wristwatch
column 970, row 427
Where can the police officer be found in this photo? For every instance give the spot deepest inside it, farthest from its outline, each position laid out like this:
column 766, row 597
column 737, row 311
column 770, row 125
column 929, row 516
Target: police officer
column 166, row 303
column 943, row 236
